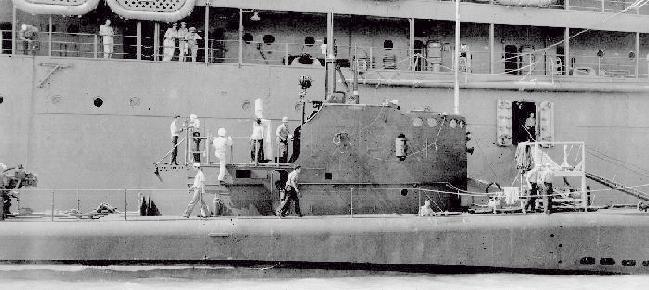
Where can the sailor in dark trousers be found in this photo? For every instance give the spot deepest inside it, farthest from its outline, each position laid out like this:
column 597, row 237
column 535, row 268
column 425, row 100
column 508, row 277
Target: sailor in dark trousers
column 174, row 139
column 195, row 126
column 532, row 178
column 292, row 193
column 545, row 177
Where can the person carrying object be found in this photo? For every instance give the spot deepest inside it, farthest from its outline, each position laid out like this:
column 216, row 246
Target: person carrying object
column 221, row 144
column 199, row 189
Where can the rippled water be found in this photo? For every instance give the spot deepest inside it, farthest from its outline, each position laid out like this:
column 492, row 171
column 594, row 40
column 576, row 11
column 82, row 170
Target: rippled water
column 224, row 277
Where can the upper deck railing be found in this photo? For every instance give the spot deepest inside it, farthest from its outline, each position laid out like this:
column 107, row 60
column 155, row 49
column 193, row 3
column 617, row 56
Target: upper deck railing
column 539, row 62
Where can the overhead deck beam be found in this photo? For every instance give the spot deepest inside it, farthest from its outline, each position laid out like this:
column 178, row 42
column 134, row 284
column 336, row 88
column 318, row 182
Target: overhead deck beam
column 445, row 10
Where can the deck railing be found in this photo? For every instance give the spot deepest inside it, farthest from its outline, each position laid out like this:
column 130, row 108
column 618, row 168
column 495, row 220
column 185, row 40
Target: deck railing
column 126, row 203
column 534, row 62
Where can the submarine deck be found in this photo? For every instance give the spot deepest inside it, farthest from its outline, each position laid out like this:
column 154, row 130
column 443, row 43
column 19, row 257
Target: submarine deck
column 464, row 217
column 606, row 241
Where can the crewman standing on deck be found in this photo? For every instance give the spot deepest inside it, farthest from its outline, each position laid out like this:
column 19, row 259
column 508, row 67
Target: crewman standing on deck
column 192, row 42
column 533, row 180
column 545, row 178
column 221, row 144
column 257, row 142
column 182, row 42
column 283, row 136
column 195, row 126
column 199, row 190
column 106, row 32
column 292, row 193
column 174, row 139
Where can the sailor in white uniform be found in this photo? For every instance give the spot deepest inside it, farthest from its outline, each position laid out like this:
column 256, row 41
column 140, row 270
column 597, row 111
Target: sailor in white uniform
column 221, row 144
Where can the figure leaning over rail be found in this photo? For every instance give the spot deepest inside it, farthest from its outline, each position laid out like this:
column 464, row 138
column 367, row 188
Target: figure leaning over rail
column 169, row 43
column 29, row 35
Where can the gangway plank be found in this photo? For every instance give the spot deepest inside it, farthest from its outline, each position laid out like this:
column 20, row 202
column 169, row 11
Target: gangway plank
column 617, row 186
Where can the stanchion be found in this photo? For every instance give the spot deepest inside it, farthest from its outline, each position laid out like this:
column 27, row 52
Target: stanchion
column 52, row 214
column 125, row 204
column 351, row 202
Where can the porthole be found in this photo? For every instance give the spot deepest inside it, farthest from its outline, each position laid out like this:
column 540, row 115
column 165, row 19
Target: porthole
column 98, row 102
column 453, row 123
column 268, row 39
column 432, row 122
column 247, row 38
column 417, row 122
column 309, row 41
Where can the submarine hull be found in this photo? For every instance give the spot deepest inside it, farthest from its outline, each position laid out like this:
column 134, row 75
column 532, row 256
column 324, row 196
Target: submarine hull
column 604, row 242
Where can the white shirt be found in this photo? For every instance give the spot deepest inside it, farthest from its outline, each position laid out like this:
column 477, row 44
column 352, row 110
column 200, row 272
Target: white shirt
column 106, row 31
column 174, row 129
column 257, row 132
column 221, row 145
column 181, row 33
column 199, row 180
column 292, row 179
column 195, row 123
column 282, row 132
column 171, row 33
column 191, row 38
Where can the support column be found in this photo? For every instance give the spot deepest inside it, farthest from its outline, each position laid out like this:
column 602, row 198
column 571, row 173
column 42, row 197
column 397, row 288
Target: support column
column 206, row 38
column 566, row 50
column 13, row 29
column 331, row 58
column 49, row 36
column 138, row 46
column 637, row 55
column 411, row 44
column 156, row 41
column 456, row 86
column 492, row 48
column 240, row 37
column 603, row 2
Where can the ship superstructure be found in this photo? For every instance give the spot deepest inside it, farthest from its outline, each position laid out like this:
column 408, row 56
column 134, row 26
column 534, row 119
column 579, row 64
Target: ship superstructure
column 578, row 65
